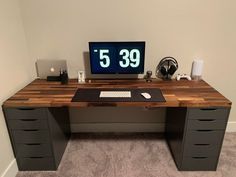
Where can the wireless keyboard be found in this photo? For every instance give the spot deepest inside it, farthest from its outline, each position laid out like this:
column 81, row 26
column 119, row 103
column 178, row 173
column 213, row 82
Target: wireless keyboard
column 115, row 94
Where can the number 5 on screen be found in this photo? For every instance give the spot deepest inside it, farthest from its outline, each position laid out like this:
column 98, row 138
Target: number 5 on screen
column 104, row 58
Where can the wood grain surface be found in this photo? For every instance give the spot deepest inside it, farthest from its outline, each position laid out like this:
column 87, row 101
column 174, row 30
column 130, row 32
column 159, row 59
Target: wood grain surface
column 183, row 93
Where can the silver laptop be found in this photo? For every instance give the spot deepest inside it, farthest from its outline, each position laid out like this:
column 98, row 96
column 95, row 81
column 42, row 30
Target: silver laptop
column 46, row 67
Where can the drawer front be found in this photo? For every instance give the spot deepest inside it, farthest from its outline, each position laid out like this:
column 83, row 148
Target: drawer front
column 199, row 163
column 207, row 124
column 36, row 163
column 204, row 137
column 30, row 136
column 201, row 150
column 26, row 124
column 26, row 113
column 208, row 113
column 33, row 150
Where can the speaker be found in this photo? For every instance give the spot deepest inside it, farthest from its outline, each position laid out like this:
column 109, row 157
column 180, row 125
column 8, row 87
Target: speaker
column 197, row 68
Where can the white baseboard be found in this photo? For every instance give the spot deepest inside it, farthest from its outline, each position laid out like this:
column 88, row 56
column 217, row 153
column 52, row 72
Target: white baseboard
column 11, row 170
column 231, row 127
column 117, row 127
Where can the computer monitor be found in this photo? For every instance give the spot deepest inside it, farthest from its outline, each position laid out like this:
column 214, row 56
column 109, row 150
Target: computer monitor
column 117, row 57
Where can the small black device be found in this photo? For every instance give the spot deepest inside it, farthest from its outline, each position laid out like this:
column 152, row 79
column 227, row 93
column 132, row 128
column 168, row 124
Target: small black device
column 64, row 77
column 148, row 76
column 117, row 57
column 166, row 68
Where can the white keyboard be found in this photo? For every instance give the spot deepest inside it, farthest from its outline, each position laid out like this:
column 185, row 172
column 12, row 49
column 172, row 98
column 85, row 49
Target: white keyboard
column 115, row 94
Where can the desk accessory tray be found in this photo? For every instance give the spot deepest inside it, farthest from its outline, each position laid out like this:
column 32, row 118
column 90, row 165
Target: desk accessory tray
column 92, row 95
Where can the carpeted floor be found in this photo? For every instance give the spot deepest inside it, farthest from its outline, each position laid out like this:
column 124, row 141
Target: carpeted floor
column 130, row 155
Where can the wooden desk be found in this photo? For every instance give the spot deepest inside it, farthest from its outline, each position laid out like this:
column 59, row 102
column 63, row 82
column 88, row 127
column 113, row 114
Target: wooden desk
column 41, row 93
column 38, row 120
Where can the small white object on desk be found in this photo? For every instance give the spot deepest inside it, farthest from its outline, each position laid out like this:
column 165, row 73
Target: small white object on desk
column 183, row 76
column 146, row 95
column 81, row 77
column 197, row 68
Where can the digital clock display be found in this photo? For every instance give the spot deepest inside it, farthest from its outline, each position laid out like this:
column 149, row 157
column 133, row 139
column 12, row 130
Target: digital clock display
column 117, row 57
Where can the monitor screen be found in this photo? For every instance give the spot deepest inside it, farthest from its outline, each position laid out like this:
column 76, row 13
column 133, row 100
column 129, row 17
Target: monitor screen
column 117, row 57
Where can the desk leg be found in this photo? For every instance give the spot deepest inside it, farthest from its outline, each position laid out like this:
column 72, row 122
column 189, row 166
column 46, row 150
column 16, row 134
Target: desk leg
column 174, row 131
column 59, row 125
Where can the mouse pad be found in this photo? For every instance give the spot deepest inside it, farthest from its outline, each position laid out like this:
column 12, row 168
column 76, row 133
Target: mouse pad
column 92, row 95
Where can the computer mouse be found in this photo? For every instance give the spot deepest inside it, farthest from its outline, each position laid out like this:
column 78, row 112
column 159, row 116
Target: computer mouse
column 146, row 95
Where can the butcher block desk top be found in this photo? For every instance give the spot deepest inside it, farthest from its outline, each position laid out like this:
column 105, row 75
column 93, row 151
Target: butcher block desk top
column 183, row 93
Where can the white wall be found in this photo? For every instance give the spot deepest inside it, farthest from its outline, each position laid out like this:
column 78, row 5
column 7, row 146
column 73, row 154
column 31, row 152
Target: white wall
column 185, row 29
column 16, row 70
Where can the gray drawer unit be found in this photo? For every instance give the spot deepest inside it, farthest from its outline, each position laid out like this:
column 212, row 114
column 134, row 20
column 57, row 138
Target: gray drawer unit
column 204, row 137
column 33, row 150
column 199, row 163
column 195, row 136
column 208, row 113
column 207, row 124
column 31, row 136
column 38, row 135
column 28, row 124
column 36, row 163
column 26, row 113
column 199, row 150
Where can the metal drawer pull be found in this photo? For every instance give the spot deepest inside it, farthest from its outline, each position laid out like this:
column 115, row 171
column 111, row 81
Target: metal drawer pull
column 204, row 130
column 31, row 130
column 26, row 109
column 202, row 144
column 206, row 120
column 36, row 157
column 33, row 144
column 199, row 157
column 208, row 109
column 28, row 120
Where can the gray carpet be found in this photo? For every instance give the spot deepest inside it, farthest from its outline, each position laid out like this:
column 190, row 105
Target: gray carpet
column 130, row 155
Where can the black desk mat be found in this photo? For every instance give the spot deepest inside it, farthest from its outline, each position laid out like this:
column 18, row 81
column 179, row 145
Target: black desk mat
column 92, row 95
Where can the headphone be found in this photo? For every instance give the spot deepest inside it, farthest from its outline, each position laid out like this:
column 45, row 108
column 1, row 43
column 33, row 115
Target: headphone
column 166, row 68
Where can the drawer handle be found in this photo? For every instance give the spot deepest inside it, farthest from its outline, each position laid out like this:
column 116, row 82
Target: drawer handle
column 199, row 157
column 202, row 144
column 26, row 109
column 28, row 120
column 205, row 130
column 206, row 120
column 208, row 109
column 36, row 157
column 31, row 130
column 33, row 144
